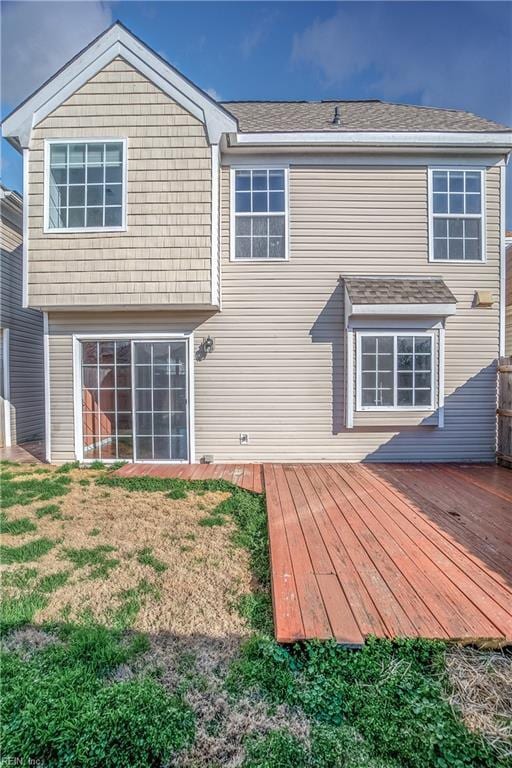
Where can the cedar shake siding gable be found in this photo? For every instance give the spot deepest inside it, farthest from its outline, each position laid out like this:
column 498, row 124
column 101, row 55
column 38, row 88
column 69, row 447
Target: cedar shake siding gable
column 164, row 256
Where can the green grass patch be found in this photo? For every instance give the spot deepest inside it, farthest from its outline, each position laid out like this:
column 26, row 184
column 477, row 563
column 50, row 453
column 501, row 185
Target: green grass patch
column 132, row 600
column 7, row 463
column 116, row 465
column 50, row 510
column 53, row 581
column 68, row 467
column 95, row 557
column 15, row 491
column 21, row 578
column 60, row 707
column 16, row 527
column 276, row 748
column 97, row 465
column 146, row 557
column 84, row 482
column 94, row 532
column 256, row 607
column 390, row 693
column 18, row 611
column 212, row 521
column 25, row 553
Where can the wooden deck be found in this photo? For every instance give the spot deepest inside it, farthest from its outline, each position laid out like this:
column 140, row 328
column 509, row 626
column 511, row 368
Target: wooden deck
column 248, row 476
column 388, row 550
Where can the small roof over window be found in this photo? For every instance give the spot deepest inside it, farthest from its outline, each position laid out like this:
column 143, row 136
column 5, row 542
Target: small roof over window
column 391, row 296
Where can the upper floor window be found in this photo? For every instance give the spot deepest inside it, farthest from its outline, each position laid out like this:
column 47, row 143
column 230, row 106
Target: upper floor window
column 456, row 215
column 260, row 214
column 86, row 185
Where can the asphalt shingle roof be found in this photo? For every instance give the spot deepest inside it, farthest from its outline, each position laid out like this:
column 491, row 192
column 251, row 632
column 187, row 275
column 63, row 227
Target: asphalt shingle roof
column 296, row 116
column 380, row 290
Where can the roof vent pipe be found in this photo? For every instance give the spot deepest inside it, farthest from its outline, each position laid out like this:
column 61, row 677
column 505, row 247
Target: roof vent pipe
column 337, row 117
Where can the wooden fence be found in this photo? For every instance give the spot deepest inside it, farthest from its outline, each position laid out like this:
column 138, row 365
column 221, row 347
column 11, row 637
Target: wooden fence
column 504, row 447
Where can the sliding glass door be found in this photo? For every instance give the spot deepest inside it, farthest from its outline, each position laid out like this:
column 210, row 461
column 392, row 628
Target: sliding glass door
column 134, row 400
column 160, row 406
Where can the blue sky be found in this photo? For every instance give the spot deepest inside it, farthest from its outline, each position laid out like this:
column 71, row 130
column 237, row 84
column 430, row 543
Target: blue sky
column 447, row 54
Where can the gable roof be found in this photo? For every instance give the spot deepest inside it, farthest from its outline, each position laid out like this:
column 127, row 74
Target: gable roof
column 380, row 290
column 116, row 41
column 338, row 116
column 266, row 123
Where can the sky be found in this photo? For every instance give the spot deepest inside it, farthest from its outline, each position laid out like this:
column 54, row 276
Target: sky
column 443, row 54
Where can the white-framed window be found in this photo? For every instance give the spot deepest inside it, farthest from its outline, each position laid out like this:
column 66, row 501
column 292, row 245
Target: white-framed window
column 456, row 214
column 395, row 371
column 259, row 214
column 85, row 185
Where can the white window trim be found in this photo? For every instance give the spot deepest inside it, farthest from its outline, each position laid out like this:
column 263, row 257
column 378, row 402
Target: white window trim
column 259, row 167
column 47, row 230
column 394, row 334
column 77, row 390
column 481, row 216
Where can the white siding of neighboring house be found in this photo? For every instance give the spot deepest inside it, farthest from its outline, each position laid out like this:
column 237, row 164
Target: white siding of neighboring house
column 25, row 337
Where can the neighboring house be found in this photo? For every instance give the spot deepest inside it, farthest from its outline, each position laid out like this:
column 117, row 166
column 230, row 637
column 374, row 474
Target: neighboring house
column 300, row 281
column 21, row 336
column 508, row 293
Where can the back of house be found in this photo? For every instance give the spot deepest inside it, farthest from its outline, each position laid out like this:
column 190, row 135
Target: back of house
column 259, row 281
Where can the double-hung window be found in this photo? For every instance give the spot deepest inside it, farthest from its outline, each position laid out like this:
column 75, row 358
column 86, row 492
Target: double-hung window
column 259, row 214
column 85, row 185
column 395, row 371
column 456, row 215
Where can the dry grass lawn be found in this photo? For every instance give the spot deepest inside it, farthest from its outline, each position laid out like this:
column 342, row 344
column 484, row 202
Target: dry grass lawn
column 204, row 574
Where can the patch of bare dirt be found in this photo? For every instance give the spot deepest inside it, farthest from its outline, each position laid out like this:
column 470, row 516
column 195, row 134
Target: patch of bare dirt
column 27, row 641
column 481, row 691
column 223, row 722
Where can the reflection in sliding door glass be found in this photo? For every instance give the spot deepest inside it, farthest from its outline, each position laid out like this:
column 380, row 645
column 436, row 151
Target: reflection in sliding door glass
column 161, row 401
column 106, row 400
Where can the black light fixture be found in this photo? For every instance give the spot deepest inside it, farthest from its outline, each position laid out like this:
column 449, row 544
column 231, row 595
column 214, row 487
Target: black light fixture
column 208, row 345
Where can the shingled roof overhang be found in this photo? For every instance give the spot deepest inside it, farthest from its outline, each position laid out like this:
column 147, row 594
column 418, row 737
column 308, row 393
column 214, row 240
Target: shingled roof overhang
column 398, row 296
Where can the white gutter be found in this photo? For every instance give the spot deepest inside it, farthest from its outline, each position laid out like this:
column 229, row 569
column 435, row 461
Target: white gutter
column 378, row 138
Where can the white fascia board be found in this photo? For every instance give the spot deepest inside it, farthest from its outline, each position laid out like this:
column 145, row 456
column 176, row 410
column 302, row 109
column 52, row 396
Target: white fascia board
column 414, row 310
column 379, row 138
column 117, row 41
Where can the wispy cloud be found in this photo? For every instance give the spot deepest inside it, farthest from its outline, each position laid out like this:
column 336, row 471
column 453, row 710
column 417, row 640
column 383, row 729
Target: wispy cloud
column 258, row 33
column 214, row 94
column 39, row 37
column 403, row 50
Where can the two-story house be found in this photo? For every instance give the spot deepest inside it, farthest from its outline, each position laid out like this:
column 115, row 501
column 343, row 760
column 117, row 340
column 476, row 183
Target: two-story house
column 258, row 281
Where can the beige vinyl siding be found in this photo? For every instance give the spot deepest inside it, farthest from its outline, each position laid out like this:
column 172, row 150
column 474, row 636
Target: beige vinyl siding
column 164, row 257
column 508, row 300
column 25, row 339
column 278, row 371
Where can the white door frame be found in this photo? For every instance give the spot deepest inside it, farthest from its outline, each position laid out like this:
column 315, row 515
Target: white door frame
column 77, row 388
column 6, row 388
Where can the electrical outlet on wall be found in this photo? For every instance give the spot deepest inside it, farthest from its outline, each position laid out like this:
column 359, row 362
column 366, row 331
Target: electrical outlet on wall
column 244, row 438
